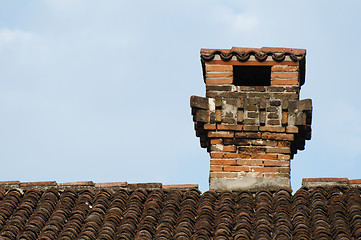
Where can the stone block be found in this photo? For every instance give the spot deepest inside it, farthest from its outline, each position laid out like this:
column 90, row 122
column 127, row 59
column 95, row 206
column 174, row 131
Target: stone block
column 199, row 102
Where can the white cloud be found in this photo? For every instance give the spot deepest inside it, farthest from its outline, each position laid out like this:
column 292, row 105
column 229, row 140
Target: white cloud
column 9, row 37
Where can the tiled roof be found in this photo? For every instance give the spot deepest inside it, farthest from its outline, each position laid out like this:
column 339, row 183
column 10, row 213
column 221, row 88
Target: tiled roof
column 78, row 212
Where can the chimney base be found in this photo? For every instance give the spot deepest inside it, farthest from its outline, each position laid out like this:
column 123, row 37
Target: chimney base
column 249, row 183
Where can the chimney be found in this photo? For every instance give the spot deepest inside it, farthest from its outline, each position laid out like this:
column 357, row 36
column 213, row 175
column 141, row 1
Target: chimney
column 251, row 120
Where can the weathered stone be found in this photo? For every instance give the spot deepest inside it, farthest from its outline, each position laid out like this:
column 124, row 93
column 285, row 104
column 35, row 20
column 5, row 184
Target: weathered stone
column 275, row 103
column 251, row 183
column 199, row 102
column 305, row 105
column 249, row 121
column 273, row 115
column 252, row 114
column 272, row 109
column 218, row 88
column 251, row 128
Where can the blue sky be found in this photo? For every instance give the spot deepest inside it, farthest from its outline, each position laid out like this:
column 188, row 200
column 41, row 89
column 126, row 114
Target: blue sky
column 100, row 92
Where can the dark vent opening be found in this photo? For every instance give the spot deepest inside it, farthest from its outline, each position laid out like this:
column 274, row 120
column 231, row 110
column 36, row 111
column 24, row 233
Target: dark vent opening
column 252, row 75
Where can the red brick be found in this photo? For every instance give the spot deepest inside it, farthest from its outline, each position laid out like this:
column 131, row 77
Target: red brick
column 251, row 135
column 230, row 148
column 284, row 75
column 264, row 169
column 284, row 170
column 280, row 68
column 218, row 115
column 236, row 168
column 252, row 149
column 285, row 150
column 273, row 122
column 280, row 137
column 216, row 141
column 220, row 134
column 223, row 162
column 223, row 175
column 292, row 129
column 284, row 82
column 236, row 155
column 284, row 157
column 264, row 156
column 219, row 68
column 272, row 129
column 218, row 81
column 252, row 88
column 249, row 162
column 210, row 126
column 216, row 155
column 216, row 168
column 276, row 163
column 250, row 128
column 284, row 144
column 229, row 127
column 284, row 118
column 220, row 75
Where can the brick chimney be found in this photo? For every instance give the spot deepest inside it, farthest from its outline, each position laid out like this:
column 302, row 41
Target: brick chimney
column 251, row 120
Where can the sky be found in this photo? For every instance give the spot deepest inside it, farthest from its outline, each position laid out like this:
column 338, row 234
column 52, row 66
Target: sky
column 100, row 91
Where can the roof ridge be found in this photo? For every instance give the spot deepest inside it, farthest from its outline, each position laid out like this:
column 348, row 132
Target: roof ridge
column 43, row 185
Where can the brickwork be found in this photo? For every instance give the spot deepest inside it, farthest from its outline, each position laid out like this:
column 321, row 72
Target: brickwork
column 252, row 132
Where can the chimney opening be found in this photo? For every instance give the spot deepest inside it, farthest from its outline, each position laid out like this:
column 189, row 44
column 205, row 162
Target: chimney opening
column 252, row 75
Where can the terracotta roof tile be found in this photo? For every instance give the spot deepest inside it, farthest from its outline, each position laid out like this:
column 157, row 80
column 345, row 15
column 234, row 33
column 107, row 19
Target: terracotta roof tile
column 322, row 212
column 260, row 54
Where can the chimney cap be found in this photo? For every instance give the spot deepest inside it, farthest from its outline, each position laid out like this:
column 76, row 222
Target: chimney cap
column 278, row 54
column 264, row 56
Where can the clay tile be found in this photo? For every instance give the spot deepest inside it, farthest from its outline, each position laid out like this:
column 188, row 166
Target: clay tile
column 209, row 51
column 283, row 50
column 35, row 184
column 81, row 183
column 111, row 184
column 245, row 50
column 180, row 186
column 324, row 182
column 9, row 183
column 149, row 186
column 355, row 181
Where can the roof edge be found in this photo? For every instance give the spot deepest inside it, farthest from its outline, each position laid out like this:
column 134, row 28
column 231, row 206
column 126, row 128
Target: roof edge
column 278, row 54
column 44, row 185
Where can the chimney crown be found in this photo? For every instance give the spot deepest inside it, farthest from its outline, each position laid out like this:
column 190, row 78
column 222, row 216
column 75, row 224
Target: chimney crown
column 251, row 120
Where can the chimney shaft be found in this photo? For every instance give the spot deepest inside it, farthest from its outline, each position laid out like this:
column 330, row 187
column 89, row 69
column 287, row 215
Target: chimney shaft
column 252, row 121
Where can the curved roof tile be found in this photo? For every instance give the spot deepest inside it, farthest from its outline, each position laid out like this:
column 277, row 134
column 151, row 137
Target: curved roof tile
column 108, row 213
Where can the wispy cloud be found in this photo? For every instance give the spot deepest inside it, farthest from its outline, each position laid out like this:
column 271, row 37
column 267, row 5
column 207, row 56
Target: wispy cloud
column 16, row 36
